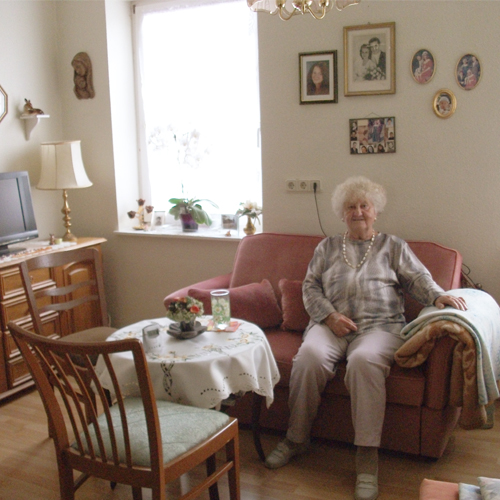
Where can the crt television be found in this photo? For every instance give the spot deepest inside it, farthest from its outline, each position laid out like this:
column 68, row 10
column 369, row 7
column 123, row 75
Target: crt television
column 17, row 217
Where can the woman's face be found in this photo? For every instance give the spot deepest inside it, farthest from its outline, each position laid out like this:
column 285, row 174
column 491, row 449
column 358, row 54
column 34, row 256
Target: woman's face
column 359, row 217
column 365, row 53
column 317, row 75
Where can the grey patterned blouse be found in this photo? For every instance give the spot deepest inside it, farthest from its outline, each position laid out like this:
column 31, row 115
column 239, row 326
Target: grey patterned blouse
column 371, row 295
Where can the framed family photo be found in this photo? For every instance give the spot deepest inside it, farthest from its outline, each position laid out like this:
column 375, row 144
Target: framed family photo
column 444, row 103
column 423, row 66
column 468, row 72
column 372, row 135
column 370, row 59
column 318, row 77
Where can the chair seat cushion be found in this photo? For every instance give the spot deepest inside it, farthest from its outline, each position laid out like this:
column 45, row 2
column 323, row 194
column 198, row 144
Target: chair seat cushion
column 182, row 428
column 97, row 334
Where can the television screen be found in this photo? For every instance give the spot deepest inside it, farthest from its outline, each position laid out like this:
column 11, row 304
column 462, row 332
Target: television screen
column 17, row 217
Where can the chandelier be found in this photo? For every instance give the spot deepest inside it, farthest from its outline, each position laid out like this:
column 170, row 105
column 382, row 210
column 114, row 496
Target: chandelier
column 286, row 9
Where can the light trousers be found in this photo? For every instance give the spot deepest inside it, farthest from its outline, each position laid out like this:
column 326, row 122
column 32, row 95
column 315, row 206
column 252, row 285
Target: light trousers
column 369, row 358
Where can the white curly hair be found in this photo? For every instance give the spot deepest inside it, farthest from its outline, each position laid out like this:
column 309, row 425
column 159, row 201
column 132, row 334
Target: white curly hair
column 355, row 189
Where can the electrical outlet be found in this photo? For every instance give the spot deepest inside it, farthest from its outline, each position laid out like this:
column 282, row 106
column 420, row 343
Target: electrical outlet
column 302, row 185
column 318, row 185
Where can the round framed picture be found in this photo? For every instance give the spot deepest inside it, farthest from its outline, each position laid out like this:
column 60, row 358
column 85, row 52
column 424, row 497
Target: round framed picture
column 445, row 103
column 468, row 72
column 423, row 66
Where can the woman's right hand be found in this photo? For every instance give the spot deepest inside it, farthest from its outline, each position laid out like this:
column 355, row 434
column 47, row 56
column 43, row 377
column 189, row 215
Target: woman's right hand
column 340, row 325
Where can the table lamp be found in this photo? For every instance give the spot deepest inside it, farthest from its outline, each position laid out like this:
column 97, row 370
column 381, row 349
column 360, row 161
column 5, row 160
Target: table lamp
column 62, row 168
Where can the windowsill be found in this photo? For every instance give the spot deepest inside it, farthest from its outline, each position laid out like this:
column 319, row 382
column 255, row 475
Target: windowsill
column 175, row 231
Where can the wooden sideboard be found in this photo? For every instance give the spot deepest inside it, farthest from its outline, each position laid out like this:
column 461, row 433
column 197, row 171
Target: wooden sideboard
column 14, row 374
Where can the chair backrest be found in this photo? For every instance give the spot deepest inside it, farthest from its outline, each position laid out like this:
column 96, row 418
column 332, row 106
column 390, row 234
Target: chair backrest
column 76, row 301
column 89, row 435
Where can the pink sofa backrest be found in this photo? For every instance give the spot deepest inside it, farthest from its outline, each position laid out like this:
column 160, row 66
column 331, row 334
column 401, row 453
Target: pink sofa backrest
column 445, row 266
column 274, row 256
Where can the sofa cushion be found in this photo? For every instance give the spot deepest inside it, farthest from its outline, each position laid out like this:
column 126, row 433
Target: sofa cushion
column 295, row 316
column 255, row 302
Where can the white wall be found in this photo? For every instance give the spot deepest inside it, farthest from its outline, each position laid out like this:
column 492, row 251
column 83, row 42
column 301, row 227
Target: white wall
column 442, row 181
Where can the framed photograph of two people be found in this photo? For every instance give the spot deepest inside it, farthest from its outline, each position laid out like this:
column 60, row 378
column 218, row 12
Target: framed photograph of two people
column 370, row 59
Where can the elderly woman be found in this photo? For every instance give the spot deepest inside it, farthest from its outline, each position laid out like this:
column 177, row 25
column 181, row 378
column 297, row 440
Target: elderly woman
column 353, row 294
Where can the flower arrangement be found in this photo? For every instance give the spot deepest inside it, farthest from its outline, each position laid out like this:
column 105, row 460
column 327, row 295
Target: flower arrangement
column 251, row 209
column 184, row 309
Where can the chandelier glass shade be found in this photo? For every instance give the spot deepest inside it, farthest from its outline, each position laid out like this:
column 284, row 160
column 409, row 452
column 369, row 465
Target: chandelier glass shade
column 286, row 9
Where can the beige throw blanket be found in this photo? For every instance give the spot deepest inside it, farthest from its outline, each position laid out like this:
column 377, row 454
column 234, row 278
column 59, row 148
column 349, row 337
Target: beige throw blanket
column 464, row 388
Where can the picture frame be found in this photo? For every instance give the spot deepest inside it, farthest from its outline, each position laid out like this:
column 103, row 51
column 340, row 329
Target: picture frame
column 370, row 59
column 158, row 218
column 4, row 104
column 318, row 77
column 468, row 71
column 444, row 103
column 423, row 66
column 373, row 135
column 229, row 221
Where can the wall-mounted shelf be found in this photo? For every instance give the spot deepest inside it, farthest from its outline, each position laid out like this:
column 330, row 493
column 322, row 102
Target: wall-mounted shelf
column 30, row 122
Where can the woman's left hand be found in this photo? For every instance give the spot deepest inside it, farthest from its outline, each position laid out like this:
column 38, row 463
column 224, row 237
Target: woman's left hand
column 450, row 300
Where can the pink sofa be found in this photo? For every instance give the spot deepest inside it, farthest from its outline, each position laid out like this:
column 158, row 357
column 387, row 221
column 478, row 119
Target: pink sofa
column 265, row 288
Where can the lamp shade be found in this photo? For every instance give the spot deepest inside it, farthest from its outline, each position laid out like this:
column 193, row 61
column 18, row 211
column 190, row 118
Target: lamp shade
column 62, row 166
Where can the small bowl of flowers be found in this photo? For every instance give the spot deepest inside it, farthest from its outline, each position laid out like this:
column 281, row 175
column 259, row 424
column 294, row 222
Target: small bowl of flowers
column 184, row 311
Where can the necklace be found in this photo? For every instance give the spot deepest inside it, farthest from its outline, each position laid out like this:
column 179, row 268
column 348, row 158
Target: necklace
column 344, row 254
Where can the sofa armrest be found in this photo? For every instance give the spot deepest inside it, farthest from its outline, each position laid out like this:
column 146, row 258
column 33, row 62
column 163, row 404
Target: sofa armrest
column 438, row 369
column 210, row 284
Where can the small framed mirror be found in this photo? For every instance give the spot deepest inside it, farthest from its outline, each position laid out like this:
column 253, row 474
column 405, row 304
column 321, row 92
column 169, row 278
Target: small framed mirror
column 3, row 103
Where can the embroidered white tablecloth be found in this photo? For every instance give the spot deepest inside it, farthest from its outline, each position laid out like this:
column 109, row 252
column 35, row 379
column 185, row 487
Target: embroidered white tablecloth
column 202, row 371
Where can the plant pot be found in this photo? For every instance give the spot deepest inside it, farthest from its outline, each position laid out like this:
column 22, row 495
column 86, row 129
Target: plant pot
column 188, row 223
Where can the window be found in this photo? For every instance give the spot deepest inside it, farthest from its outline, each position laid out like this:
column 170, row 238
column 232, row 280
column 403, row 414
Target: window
column 198, row 96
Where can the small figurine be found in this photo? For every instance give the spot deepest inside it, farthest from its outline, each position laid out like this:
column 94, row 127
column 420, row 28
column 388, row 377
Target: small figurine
column 142, row 214
column 30, row 110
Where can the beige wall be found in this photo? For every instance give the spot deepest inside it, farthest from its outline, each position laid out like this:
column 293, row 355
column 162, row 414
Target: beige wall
column 442, row 182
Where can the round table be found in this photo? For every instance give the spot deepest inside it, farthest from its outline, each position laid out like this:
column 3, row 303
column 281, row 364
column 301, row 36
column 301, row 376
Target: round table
column 203, row 371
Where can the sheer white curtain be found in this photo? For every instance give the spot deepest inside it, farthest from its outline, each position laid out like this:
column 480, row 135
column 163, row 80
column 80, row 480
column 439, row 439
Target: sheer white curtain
column 197, row 72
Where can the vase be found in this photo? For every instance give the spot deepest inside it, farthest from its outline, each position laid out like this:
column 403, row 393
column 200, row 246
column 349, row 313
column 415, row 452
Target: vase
column 189, row 225
column 250, row 227
column 187, row 326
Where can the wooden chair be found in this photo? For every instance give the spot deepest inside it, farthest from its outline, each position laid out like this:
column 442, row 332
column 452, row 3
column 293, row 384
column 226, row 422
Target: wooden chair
column 76, row 303
column 138, row 441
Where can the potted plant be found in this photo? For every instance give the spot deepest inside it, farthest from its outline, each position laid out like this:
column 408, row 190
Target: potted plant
column 191, row 213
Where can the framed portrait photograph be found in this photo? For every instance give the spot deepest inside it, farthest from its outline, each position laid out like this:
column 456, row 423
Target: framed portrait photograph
column 372, row 135
column 318, row 77
column 370, row 59
column 444, row 103
column 468, row 72
column 229, row 221
column 423, row 66
column 158, row 219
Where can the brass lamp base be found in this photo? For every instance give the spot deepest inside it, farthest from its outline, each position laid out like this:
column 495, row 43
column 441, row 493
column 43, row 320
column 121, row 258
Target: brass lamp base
column 69, row 236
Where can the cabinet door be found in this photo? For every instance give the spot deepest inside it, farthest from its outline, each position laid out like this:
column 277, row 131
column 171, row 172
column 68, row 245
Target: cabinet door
column 86, row 315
